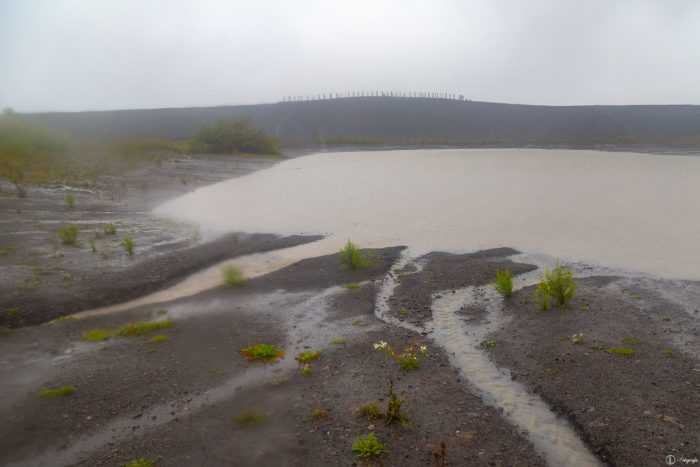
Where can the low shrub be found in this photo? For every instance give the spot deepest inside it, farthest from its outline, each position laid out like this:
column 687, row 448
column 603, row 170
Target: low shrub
column 233, row 276
column 68, row 234
column 351, row 256
column 557, row 285
column 503, row 283
column 128, row 244
column 369, row 447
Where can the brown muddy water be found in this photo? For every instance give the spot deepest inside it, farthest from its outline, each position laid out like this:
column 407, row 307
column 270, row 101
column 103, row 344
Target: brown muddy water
column 638, row 212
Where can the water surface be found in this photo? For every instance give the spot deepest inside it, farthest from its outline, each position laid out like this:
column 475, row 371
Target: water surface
column 639, row 212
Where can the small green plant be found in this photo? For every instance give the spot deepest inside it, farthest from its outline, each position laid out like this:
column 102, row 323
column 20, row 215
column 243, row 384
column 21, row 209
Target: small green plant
column 487, row 344
column 393, row 409
column 577, row 338
column 307, row 357
column 621, row 351
column 68, row 234
column 667, row 352
column 317, row 414
column 158, row 338
column 233, row 276
column 635, row 297
column 629, row 341
column 584, row 308
column 351, row 286
column 143, row 462
column 351, row 256
column 338, row 340
column 596, row 347
column 410, row 358
column 370, row 410
column 503, row 283
column 61, row 319
column 140, row 328
column 262, row 352
column 110, row 229
column 249, row 419
column 128, row 244
column 70, row 201
column 306, row 370
column 58, row 392
column 666, row 318
column 369, row 447
column 557, row 285
column 96, row 335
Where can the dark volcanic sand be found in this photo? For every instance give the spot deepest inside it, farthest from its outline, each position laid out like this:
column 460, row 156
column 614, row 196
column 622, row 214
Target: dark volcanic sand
column 176, row 400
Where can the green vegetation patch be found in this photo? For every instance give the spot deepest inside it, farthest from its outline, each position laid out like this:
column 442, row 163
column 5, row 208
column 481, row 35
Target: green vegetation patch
column 262, row 352
column 128, row 244
column 621, row 351
column 139, row 463
column 68, row 234
column 369, row 447
column 57, row 392
column 96, row 335
column 233, row 276
column 503, row 283
column 351, row 256
column 317, row 414
column 232, row 137
column 370, row 410
column 158, row 338
column 351, row 286
column 110, row 229
column 629, row 341
column 596, row 347
column 557, row 285
column 140, row 328
column 338, row 340
column 487, row 344
column 309, row 356
column 61, row 319
column 667, row 352
column 249, row 419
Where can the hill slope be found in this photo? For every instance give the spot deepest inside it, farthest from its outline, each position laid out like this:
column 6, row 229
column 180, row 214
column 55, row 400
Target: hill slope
column 402, row 120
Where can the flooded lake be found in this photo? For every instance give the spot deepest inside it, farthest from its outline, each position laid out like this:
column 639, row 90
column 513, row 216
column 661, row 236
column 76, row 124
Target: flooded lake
column 639, row 212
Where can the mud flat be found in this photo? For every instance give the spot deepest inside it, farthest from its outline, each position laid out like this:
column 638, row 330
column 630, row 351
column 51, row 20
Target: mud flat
column 533, row 397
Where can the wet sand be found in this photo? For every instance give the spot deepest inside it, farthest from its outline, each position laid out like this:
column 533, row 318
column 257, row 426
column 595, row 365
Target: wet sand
column 176, row 400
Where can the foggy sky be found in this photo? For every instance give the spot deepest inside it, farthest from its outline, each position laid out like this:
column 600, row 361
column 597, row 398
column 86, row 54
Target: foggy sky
column 68, row 55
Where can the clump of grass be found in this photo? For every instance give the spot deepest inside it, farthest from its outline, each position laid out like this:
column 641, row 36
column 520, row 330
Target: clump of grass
column 635, row 297
column 503, row 283
column 307, row 357
column 668, row 352
column 369, row 447
column 317, row 414
column 233, row 276
column 91, row 242
column 249, row 419
column 370, row 410
column 68, row 234
column 557, row 285
column 110, row 229
column 351, row 286
column 262, row 352
column 338, row 340
column 158, row 338
column 96, row 335
column 596, row 347
column 70, row 201
column 143, row 462
column 629, row 341
column 487, row 344
column 584, row 308
column 61, row 319
column 621, row 351
column 140, row 328
column 128, row 244
column 351, row 256
column 57, row 392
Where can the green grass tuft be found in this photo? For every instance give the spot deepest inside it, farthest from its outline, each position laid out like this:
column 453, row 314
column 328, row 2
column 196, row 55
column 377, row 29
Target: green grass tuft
column 351, row 286
column 503, row 283
column 139, row 463
column 351, row 256
column 596, row 347
column 369, row 447
column 249, row 419
column 629, row 341
column 58, row 392
column 338, row 340
column 233, row 276
column 668, row 352
column 96, row 335
column 110, row 229
column 68, row 234
column 309, row 356
column 262, row 352
column 370, row 410
column 61, row 319
column 140, row 328
column 128, row 244
column 70, row 201
column 158, row 338
column 317, row 414
column 487, row 344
